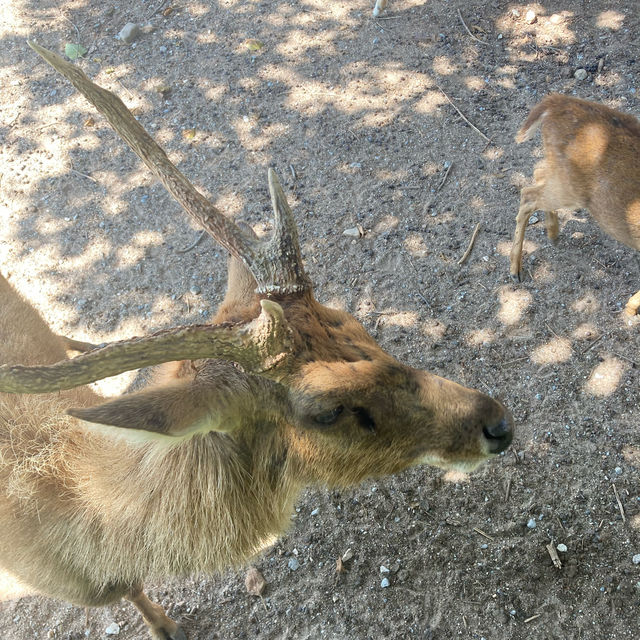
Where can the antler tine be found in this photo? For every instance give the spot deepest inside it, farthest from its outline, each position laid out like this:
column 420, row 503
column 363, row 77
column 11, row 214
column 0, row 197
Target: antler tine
column 270, row 271
column 284, row 241
column 258, row 346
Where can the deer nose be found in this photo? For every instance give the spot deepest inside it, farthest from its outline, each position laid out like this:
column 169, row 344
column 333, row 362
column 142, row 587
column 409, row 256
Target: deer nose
column 499, row 435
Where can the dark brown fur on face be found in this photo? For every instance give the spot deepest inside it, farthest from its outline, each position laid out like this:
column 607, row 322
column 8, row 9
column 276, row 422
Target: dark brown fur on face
column 591, row 161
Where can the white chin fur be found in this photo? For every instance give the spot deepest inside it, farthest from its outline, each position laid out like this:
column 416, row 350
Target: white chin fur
column 437, row 461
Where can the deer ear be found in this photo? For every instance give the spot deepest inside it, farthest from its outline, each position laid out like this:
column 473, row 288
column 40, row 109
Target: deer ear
column 220, row 398
column 176, row 411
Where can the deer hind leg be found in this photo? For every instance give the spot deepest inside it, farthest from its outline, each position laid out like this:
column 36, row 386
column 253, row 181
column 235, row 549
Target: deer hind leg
column 160, row 625
column 551, row 224
column 528, row 204
column 633, row 305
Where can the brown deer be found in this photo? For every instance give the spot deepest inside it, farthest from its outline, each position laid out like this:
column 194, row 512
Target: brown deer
column 591, row 161
column 200, row 470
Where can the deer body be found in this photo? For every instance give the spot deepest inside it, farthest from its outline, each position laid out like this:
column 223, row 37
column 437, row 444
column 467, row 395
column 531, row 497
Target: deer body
column 591, row 161
column 200, row 470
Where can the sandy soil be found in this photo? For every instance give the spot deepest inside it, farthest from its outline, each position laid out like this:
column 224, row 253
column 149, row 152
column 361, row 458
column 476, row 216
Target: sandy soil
column 362, row 110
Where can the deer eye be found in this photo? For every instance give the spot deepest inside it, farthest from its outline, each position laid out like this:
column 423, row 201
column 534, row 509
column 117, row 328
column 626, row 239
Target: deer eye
column 329, row 417
column 365, row 419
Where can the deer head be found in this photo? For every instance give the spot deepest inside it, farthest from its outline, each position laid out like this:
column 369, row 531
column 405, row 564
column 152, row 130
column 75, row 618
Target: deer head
column 343, row 409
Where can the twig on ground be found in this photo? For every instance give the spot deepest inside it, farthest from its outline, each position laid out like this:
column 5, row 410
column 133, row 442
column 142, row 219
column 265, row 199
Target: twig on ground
column 530, row 619
column 483, row 534
column 557, row 563
column 464, row 24
column 194, row 244
column 615, row 353
column 473, row 126
column 507, row 492
column 615, row 491
column 446, row 175
column 593, row 344
column 467, row 253
column 84, row 175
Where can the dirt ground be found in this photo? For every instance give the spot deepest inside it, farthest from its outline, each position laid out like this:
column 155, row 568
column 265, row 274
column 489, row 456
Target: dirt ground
column 357, row 116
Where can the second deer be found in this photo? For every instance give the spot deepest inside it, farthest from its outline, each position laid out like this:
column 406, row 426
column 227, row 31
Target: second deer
column 200, row 471
column 591, row 161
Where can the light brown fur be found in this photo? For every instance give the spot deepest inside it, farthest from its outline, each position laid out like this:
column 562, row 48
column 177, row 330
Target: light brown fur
column 200, row 470
column 591, row 161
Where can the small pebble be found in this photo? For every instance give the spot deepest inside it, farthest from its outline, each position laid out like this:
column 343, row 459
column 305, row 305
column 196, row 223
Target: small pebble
column 113, row 629
column 530, row 17
column 383, row 569
column 129, row 33
column 195, row 290
column 618, row 470
column 293, row 564
column 385, row 583
column 562, row 548
column 532, row 523
column 534, row 219
column 580, row 74
column 636, row 558
column 315, row 512
column 352, row 232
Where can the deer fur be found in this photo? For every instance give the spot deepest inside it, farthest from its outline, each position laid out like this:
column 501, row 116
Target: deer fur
column 591, row 161
column 200, row 470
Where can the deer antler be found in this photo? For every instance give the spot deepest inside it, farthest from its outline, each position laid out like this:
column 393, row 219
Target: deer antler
column 276, row 263
column 262, row 344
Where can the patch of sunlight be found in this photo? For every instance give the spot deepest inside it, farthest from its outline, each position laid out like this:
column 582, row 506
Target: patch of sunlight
column 216, row 94
column 199, row 9
column 513, row 304
column 135, row 250
column 443, row 66
column 587, row 304
column 430, row 102
column 481, row 337
column 542, row 271
column 431, row 168
column 546, row 30
column 585, row 331
column 387, row 223
column 507, row 70
column 11, row 588
column 415, row 245
column 528, row 247
column 493, row 153
column 610, row 20
column 475, row 83
column 631, row 453
column 605, row 378
column 456, row 477
column 556, row 350
column 635, row 521
column 434, row 328
column 400, row 319
column 477, row 202
column 506, row 83
column 11, row 25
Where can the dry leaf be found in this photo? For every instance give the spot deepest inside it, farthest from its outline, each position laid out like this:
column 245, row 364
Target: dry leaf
column 167, row 12
column 89, row 122
column 254, row 582
column 189, row 134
